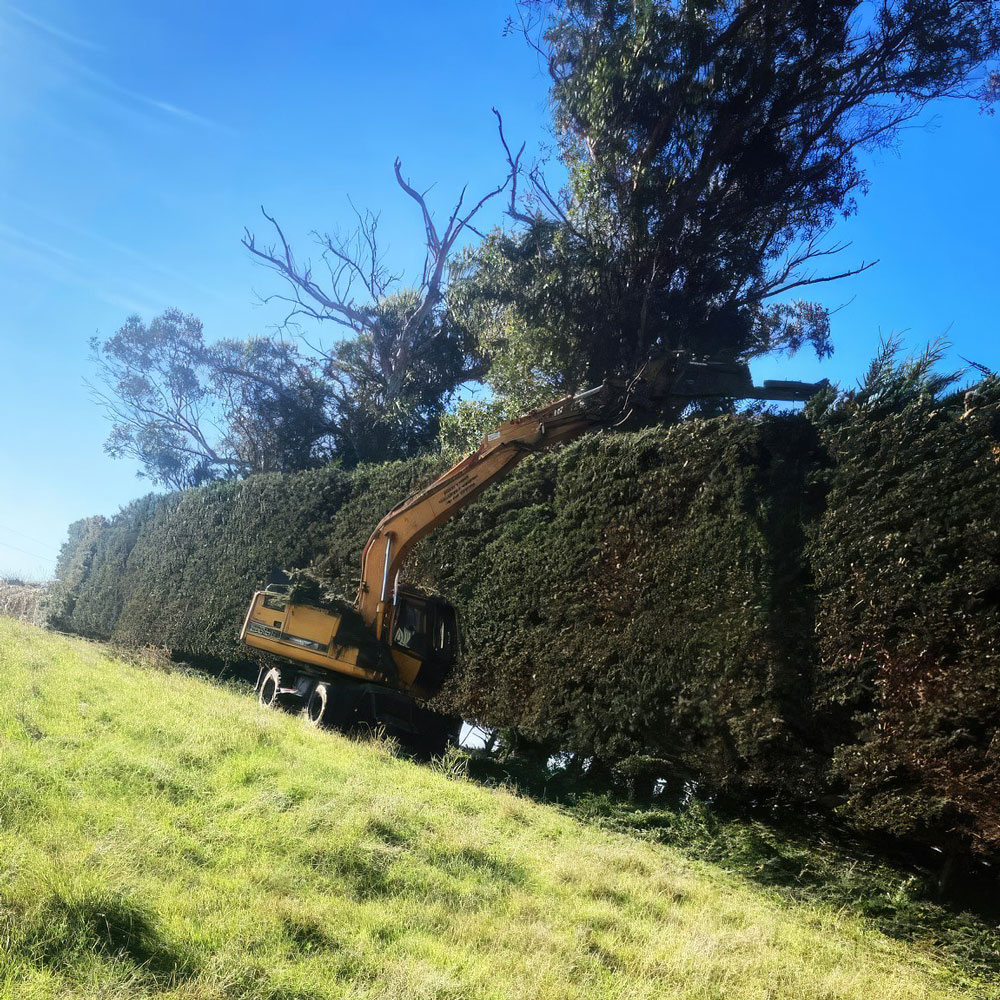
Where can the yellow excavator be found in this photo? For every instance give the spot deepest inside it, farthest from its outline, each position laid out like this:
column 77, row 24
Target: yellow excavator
column 373, row 663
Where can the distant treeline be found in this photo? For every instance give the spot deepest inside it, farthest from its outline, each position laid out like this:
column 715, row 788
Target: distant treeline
column 796, row 609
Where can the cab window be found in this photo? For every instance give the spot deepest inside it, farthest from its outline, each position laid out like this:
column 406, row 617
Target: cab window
column 444, row 634
column 276, row 602
column 410, row 630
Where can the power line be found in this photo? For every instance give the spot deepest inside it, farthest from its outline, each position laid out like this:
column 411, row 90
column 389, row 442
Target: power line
column 34, row 555
column 21, row 534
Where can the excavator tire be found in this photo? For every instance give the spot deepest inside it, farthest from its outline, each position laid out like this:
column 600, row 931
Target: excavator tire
column 269, row 687
column 316, row 707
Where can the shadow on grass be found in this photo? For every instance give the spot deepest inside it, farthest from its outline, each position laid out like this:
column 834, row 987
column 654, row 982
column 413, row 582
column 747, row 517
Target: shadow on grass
column 64, row 933
column 61, row 931
column 809, row 860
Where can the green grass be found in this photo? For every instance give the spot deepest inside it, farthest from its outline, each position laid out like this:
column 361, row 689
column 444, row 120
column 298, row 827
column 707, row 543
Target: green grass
column 800, row 858
column 830, row 866
column 160, row 835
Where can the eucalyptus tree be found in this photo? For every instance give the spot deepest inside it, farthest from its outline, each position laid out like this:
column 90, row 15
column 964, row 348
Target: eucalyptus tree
column 710, row 146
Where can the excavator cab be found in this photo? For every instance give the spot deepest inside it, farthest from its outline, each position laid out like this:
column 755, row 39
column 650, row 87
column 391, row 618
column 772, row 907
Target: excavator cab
column 423, row 638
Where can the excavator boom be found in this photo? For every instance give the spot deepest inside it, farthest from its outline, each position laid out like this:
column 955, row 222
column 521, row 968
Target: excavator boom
column 666, row 384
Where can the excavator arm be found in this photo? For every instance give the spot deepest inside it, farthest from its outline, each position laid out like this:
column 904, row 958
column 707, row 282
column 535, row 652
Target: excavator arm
column 666, row 384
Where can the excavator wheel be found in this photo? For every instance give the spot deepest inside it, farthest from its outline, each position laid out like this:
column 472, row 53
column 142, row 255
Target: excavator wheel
column 316, row 706
column 269, row 688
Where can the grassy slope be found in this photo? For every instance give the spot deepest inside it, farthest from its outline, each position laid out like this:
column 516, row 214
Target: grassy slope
column 162, row 835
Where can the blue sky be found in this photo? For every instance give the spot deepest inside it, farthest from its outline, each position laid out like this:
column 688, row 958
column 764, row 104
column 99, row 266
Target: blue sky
column 136, row 142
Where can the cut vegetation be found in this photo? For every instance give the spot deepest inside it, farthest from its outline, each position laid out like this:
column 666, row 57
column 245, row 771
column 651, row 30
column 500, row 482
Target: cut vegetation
column 22, row 599
column 161, row 835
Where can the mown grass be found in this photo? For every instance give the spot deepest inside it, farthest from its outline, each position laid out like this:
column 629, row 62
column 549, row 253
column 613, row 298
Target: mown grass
column 160, row 835
column 803, row 859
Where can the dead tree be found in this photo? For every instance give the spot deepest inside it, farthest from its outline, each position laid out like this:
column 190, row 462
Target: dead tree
column 357, row 282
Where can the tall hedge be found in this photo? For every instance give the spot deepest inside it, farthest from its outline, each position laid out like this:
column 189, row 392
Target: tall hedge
column 72, row 568
column 647, row 594
column 178, row 570
column 798, row 608
column 907, row 566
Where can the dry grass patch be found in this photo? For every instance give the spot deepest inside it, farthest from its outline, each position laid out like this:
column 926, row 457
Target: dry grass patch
column 22, row 599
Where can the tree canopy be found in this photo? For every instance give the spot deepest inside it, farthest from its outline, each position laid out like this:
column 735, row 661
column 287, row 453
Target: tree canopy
column 191, row 412
column 710, row 147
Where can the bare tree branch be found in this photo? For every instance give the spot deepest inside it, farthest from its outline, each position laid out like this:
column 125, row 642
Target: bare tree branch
column 514, row 166
column 395, row 328
column 818, row 280
column 343, row 311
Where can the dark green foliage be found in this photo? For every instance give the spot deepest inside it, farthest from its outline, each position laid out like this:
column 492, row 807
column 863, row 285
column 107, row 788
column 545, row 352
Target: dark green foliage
column 645, row 593
column 73, row 567
column 907, row 561
column 795, row 609
column 178, row 570
column 382, row 411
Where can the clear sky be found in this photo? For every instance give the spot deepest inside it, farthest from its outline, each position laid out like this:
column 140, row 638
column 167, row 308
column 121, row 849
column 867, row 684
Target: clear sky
column 137, row 140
